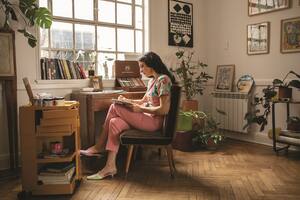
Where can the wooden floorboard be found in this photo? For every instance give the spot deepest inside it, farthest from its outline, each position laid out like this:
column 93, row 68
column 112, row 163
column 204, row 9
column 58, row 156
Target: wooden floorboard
column 237, row 170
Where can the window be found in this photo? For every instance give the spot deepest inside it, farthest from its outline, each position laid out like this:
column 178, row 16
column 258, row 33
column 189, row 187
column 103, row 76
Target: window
column 94, row 32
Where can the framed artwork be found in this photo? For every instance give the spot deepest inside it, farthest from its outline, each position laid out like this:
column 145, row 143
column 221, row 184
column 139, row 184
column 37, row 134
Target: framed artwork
column 224, row 78
column 96, row 83
column 180, row 23
column 258, row 39
column 290, row 35
column 7, row 54
column 256, row 7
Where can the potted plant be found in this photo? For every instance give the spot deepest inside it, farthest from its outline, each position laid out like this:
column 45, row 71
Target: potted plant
column 293, row 123
column 187, row 124
column 30, row 14
column 270, row 94
column 209, row 135
column 284, row 88
column 191, row 78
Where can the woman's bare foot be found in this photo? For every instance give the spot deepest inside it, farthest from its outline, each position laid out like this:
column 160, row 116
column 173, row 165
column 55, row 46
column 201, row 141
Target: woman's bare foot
column 92, row 151
column 108, row 171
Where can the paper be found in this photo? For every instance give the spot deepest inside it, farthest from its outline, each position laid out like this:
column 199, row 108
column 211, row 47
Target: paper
column 122, row 102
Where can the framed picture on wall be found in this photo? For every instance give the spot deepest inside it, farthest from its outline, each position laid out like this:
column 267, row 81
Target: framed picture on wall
column 258, row 39
column 180, row 23
column 256, row 7
column 224, row 78
column 290, row 35
column 7, row 54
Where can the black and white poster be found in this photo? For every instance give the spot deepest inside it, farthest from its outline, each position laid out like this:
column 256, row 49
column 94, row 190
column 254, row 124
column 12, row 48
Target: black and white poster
column 180, row 23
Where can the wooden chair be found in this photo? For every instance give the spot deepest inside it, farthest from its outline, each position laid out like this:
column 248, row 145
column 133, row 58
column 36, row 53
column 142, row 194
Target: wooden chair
column 163, row 137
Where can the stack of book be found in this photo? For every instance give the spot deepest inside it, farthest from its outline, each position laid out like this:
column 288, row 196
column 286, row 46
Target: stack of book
column 53, row 68
column 57, row 174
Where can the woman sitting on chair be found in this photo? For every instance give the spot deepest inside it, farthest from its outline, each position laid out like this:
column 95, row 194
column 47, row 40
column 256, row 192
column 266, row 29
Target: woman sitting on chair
column 145, row 114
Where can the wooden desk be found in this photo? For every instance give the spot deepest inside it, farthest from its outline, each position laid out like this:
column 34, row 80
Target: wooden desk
column 91, row 102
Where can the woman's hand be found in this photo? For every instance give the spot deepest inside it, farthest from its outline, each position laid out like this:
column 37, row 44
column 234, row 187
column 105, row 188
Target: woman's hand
column 136, row 108
column 122, row 98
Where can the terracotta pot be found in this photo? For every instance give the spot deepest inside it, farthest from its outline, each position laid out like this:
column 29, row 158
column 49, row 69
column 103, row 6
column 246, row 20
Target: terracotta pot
column 188, row 105
column 284, row 93
column 183, row 141
column 211, row 145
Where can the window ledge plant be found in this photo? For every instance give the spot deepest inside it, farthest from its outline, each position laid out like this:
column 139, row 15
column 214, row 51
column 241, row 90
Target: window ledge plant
column 28, row 13
column 265, row 101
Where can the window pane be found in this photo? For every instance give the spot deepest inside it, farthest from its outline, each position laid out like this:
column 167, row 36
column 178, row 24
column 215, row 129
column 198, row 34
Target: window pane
column 138, row 2
column 67, row 55
column 44, row 54
column 62, row 35
column 105, row 63
column 139, row 41
column 106, row 11
column 106, row 38
column 44, row 37
column 84, row 9
column 62, row 8
column 84, row 36
column 125, row 40
column 86, row 58
column 124, row 14
column 43, row 3
column 121, row 56
column 138, row 17
column 126, row 1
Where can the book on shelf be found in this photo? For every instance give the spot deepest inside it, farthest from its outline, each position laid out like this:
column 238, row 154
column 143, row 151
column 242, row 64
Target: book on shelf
column 54, row 68
column 50, row 177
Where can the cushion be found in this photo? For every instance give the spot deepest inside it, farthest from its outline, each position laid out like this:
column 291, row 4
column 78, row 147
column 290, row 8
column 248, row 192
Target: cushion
column 134, row 136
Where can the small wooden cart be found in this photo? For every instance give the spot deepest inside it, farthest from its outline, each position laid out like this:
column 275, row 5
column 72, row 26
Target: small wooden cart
column 38, row 127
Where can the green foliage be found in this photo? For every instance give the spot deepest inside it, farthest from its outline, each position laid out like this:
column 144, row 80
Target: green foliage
column 31, row 15
column 188, row 71
column 265, row 102
column 293, row 83
column 207, row 130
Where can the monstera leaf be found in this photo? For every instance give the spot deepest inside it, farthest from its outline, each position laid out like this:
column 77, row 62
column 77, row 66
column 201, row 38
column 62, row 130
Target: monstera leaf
column 31, row 13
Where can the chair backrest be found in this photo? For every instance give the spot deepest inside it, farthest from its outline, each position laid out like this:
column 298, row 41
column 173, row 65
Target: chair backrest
column 170, row 120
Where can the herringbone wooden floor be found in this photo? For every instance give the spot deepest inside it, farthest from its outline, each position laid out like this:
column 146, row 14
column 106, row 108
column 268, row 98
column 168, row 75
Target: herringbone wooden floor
column 237, row 170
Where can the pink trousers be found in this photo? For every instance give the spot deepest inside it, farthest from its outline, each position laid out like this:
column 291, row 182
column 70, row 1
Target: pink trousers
column 120, row 118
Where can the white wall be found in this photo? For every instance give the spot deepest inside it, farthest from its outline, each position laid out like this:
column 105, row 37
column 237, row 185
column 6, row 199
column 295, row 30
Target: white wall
column 225, row 34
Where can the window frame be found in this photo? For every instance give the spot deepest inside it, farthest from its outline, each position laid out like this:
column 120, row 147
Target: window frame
column 95, row 23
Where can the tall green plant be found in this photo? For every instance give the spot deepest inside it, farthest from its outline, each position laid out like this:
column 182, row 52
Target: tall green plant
column 190, row 75
column 30, row 13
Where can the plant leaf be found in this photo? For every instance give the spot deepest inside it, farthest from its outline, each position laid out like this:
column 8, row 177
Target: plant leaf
column 277, row 82
column 30, row 38
column 43, row 17
column 294, row 83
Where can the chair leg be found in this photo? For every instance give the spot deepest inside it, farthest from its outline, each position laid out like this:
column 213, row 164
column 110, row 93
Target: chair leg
column 169, row 154
column 129, row 155
column 172, row 158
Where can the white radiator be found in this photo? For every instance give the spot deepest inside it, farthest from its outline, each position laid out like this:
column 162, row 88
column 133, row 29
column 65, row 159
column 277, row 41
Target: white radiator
column 234, row 105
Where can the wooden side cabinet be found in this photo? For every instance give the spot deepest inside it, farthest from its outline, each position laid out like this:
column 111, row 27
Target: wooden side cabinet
column 40, row 127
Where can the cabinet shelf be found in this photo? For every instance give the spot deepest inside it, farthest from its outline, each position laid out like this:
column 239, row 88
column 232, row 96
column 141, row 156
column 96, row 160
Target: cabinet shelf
column 57, row 122
column 53, row 189
column 286, row 136
column 56, row 134
column 68, row 158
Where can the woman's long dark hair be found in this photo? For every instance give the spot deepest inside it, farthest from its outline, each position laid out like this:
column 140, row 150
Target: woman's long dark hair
column 153, row 61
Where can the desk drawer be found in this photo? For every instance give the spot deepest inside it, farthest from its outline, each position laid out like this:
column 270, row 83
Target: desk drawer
column 49, row 114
